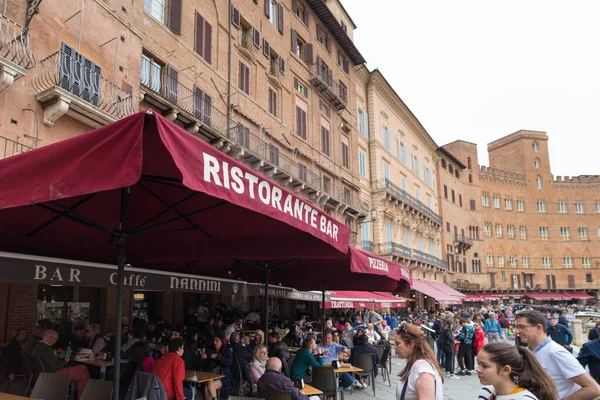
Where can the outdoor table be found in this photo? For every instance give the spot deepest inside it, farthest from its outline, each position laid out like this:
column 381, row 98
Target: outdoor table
column 196, row 377
column 349, row 368
column 310, row 390
column 294, row 349
column 102, row 364
column 6, row 396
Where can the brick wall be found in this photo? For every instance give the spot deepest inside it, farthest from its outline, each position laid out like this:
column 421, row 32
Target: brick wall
column 17, row 310
column 108, row 308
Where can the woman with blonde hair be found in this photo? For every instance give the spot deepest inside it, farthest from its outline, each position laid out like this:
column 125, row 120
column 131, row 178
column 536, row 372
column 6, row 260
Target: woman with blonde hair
column 259, row 363
column 259, row 338
column 422, row 378
column 514, row 373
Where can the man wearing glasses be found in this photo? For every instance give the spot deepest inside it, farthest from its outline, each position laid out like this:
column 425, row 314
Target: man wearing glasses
column 571, row 380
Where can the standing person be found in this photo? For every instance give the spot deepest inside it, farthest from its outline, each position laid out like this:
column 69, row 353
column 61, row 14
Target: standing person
column 572, row 382
column 560, row 333
column 504, row 325
column 447, row 344
column 252, row 320
column 593, row 333
column 514, row 374
column 465, row 347
column 202, row 315
column 589, row 356
column 479, row 338
column 422, row 378
column 492, row 329
column 170, row 369
column 562, row 319
column 235, row 327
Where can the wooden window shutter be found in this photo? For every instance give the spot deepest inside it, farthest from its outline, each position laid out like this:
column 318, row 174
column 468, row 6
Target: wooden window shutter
column 280, row 18
column 304, row 124
column 174, row 18
column 268, row 8
column 571, row 283
column 281, row 65
column 308, row 53
column 294, row 5
column 172, row 79
column 305, row 91
column 346, row 65
column 295, row 83
column 305, row 18
column 247, row 78
column 199, row 45
column 298, row 121
column 235, row 16
column 256, row 37
column 294, row 41
column 241, row 76
column 255, row 1
column 548, row 282
column 208, row 42
column 266, row 48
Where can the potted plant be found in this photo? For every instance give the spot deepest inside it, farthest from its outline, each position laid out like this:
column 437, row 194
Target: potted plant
column 346, row 127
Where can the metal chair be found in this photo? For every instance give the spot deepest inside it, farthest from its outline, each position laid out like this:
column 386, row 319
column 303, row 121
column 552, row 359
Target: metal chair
column 236, row 373
column 383, row 364
column 51, row 386
column 286, row 368
column 365, row 362
column 291, row 361
column 32, row 367
column 272, row 394
column 324, row 379
column 97, row 390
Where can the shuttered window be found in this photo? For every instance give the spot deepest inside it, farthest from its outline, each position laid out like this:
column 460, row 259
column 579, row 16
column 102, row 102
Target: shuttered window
column 301, row 11
column 79, row 75
column 203, row 40
column 301, row 122
column 345, row 152
column 244, row 78
column 174, row 22
column 272, row 101
column 235, row 17
column 266, row 48
column 325, row 140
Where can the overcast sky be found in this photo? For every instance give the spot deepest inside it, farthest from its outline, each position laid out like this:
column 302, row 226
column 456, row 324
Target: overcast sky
column 480, row 70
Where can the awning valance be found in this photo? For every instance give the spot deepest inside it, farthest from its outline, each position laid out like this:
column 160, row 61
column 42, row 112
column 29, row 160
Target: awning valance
column 579, row 295
column 437, row 291
column 360, row 299
column 547, row 296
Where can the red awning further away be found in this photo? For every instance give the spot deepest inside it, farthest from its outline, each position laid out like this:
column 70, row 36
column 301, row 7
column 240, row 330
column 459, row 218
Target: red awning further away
column 547, row 296
column 473, row 298
column 578, row 295
column 434, row 291
column 190, row 209
column 442, row 287
column 358, row 299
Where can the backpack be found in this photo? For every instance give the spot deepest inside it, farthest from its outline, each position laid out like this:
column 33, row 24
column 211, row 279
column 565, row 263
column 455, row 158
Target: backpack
column 503, row 322
column 147, row 386
column 468, row 334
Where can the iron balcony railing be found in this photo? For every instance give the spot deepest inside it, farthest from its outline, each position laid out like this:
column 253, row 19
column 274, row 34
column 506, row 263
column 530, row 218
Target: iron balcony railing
column 342, row 194
column 270, row 153
column 9, row 147
column 411, row 254
column 14, row 43
column 462, row 239
column 367, row 245
column 323, row 81
column 66, row 72
column 408, row 199
column 194, row 102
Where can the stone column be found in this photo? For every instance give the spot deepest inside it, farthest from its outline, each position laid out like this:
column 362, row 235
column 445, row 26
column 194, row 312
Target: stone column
column 577, row 332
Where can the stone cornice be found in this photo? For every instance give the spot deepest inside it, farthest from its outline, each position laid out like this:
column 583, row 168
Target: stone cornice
column 378, row 83
column 522, row 134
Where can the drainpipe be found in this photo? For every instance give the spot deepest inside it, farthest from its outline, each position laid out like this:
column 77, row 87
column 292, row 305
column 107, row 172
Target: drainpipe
column 371, row 169
column 37, row 128
column 229, row 80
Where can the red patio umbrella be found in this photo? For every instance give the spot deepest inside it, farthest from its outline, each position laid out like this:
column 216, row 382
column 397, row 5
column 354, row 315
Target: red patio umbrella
column 173, row 202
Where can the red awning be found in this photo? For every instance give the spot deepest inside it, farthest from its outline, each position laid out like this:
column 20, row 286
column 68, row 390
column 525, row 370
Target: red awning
column 442, row 287
column 435, row 291
column 578, row 295
column 190, row 209
column 473, row 298
column 358, row 299
column 547, row 296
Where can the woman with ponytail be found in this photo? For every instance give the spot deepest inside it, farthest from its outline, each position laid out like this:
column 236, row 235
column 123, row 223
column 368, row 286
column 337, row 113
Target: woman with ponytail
column 422, row 378
column 514, row 373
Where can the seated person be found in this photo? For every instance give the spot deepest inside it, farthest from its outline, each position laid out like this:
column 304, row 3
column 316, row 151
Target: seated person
column 275, row 380
column 12, row 355
column 332, row 351
column 277, row 348
column 130, row 339
column 43, row 351
column 218, row 359
column 243, row 354
column 170, row 369
column 140, row 361
column 372, row 334
column 258, row 364
column 38, row 334
column 305, row 359
column 362, row 346
column 259, row 338
column 96, row 340
column 294, row 336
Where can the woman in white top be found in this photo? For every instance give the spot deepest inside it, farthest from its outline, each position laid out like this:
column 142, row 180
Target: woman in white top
column 512, row 373
column 422, row 378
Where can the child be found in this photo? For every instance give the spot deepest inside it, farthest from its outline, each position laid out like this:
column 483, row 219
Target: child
column 479, row 338
column 514, row 374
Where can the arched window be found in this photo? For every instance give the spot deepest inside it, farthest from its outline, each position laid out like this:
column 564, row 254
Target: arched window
column 470, row 178
column 538, row 182
column 457, row 174
column 443, row 163
column 450, row 168
column 536, row 147
column 536, row 163
column 469, row 162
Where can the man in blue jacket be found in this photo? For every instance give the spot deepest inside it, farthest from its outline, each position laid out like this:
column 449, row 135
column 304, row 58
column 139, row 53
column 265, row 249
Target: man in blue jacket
column 492, row 329
column 589, row 356
column 273, row 379
column 559, row 333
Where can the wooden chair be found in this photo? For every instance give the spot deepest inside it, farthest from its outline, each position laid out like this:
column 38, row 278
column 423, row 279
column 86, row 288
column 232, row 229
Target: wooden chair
column 97, row 390
column 51, row 386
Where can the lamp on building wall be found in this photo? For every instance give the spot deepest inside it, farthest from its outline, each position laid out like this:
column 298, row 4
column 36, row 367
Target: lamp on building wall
column 373, row 215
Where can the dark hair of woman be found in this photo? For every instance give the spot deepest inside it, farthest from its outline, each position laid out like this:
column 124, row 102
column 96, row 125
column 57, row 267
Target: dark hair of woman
column 221, row 336
column 410, row 333
column 140, row 351
column 526, row 371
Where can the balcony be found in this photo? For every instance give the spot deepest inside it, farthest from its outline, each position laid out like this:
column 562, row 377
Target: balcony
column 246, row 44
column 75, row 87
column 271, row 162
column 322, row 80
column 400, row 195
column 401, row 252
column 344, row 198
column 463, row 242
column 9, row 147
column 193, row 108
column 368, row 245
column 274, row 73
column 16, row 57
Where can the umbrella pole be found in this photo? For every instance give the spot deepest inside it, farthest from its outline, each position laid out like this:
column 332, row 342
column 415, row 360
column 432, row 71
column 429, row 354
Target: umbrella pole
column 120, row 273
column 324, row 319
column 266, row 303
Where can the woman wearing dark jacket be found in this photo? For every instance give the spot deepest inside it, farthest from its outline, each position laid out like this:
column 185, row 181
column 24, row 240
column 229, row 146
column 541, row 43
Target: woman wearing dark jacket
column 140, row 351
column 218, row 358
column 190, row 351
column 593, row 333
column 447, row 344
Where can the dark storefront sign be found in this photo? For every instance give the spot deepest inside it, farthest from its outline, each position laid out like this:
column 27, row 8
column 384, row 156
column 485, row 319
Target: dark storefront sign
column 30, row 269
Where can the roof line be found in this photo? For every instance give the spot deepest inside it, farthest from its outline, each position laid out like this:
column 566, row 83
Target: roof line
column 451, row 156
